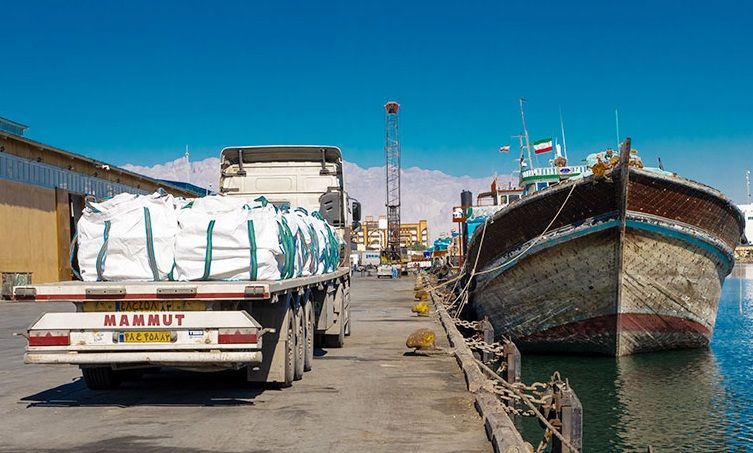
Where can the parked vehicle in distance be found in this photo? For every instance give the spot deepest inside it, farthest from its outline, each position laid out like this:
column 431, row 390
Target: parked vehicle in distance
column 384, row 270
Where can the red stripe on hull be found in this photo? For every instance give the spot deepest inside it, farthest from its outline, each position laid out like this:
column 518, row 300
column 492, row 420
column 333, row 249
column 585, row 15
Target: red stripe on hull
column 617, row 335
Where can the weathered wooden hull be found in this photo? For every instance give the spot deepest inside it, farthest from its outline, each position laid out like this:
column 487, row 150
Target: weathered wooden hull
column 633, row 263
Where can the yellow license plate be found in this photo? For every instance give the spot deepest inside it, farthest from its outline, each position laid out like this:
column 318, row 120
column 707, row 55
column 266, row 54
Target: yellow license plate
column 145, row 305
column 146, row 337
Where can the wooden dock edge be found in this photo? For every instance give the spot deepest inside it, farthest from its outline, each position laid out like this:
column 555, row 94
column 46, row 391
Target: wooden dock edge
column 500, row 428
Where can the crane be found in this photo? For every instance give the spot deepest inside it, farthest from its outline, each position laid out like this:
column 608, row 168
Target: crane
column 392, row 169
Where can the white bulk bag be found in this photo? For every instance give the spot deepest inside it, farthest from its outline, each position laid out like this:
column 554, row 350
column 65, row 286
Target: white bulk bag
column 306, row 262
column 128, row 237
column 221, row 238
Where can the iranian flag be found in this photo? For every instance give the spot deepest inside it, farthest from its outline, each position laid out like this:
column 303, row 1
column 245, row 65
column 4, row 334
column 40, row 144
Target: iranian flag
column 542, row 146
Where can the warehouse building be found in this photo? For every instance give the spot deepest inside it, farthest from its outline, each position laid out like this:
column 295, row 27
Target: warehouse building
column 373, row 234
column 42, row 191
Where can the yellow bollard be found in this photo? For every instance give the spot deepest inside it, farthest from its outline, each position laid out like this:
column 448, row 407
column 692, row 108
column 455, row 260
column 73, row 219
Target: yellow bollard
column 421, row 309
column 422, row 339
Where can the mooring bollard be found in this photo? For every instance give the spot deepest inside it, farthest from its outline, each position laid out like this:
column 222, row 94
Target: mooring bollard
column 512, row 359
column 487, row 330
column 570, row 413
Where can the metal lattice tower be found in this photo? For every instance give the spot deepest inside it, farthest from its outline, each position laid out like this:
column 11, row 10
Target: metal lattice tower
column 392, row 166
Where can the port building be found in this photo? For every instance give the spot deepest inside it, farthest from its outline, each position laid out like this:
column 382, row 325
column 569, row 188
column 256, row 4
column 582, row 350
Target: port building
column 42, row 192
column 373, row 234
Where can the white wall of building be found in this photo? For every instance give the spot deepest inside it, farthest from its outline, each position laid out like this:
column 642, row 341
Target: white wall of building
column 747, row 210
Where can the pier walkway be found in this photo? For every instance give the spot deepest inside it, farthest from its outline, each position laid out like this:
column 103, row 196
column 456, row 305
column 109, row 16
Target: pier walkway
column 368, row 396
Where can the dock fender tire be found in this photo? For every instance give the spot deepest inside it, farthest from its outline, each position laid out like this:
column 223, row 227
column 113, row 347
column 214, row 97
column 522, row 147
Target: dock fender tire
column 300, row 342
column 289, row 349
column 101, row 378
column 308, row 316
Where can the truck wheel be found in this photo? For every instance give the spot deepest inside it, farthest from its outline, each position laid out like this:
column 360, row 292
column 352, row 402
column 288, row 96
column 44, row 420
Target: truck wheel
column 101, row 378
column 308, row 315
column 338, row 340
column 289, row 350
column 300, row 343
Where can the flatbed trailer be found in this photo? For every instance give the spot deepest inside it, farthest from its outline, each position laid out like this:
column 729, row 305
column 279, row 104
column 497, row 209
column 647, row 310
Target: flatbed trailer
column 268, row 328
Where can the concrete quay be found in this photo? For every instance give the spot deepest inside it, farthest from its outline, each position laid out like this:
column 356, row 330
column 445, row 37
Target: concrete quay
column 371, row 395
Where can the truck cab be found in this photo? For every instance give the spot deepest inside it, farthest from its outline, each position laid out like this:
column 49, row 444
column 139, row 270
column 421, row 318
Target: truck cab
column 307, row 176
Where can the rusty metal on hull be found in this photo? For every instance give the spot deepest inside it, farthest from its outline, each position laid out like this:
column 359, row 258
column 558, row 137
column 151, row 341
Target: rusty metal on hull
column 633, row 263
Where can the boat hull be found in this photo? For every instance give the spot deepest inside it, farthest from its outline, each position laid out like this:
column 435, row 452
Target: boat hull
column 617, row 275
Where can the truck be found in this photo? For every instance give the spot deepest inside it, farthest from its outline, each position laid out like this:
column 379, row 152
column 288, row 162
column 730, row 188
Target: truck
column 265, row 329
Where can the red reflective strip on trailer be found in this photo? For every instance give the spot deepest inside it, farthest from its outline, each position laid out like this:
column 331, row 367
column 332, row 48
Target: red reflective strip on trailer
column 49, row 340
column 152, row 296
column 236, row 338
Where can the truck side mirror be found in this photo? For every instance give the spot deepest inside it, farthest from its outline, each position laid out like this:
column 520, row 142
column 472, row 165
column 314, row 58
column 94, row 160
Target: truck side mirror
column 356, row 211
column 331, row 208
column 356, row 215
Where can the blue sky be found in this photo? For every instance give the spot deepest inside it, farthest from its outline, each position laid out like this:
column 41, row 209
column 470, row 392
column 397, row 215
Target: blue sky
column 134, row 82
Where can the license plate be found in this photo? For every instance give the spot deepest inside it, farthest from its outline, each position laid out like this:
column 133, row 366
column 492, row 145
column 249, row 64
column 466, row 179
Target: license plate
column 146, row 337
column 145, row 305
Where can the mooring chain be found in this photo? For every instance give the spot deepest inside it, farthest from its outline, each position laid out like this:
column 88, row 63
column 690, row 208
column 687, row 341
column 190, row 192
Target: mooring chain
column 539, row 394
column 473, row 325
column 508, row 395
column 475, row 342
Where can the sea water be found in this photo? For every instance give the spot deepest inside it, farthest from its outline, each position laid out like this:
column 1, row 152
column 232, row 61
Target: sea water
column 689, row 400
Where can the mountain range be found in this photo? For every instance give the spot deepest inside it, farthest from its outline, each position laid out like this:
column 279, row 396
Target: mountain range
column 425, row 194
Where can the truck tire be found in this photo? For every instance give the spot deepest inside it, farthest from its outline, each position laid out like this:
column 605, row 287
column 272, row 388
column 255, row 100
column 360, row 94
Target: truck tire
column 289, row 349
column 308, row 315
column 101, row 378
column 338, row 340
column 300, row 343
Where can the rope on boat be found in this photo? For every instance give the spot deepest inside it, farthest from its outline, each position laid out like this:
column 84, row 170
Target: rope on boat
column 481, row 243
column 546, row 230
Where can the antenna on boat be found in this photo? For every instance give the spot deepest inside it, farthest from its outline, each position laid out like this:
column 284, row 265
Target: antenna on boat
column 525, row 131
column 521, row 160
column 747, row 183
column 617, row 126
column 562, row 127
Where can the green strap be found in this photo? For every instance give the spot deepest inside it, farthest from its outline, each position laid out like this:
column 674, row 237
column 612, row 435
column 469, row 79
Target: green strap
column 287, row 249
column 208, row 253
column 150, row 244
column 314, row 249
column 254, row 267
column 171, row 274
column 103, row 252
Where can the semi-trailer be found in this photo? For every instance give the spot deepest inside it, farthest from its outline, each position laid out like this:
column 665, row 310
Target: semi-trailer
column 267, row 328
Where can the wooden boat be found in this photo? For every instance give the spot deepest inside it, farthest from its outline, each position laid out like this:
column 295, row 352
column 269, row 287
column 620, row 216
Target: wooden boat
column 622, row 261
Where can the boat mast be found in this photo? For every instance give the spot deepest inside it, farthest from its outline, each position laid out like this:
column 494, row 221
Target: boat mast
column 562, row 126
column 747, row 183
column 525, row 131
column 617, row 126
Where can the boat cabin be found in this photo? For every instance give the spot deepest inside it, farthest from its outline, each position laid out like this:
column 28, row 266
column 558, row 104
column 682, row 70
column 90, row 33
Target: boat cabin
column 499, row 195
column 535, row 179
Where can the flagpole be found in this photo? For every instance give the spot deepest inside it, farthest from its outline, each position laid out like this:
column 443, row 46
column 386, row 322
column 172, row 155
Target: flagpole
column 617, row 126
column 562, row 126
column 525, row 131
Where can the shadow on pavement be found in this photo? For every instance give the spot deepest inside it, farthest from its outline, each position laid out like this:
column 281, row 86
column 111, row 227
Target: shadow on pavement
column 141, row 444
column 167, row 388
